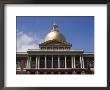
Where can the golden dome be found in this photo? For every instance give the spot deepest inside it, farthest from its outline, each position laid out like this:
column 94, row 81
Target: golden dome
column 55, row 35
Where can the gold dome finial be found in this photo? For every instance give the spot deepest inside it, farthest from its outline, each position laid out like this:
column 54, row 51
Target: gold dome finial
column 55, row 27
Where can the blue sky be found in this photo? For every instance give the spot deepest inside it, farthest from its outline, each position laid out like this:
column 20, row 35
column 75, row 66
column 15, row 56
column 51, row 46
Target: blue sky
column 78, row 30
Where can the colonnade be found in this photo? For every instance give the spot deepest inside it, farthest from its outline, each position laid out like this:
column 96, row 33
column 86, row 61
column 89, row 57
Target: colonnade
column 73, row 60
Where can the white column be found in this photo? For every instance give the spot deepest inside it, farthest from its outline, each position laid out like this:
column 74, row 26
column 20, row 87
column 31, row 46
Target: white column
column 36, row 61
column 80, row 61
column 65, row 62
column 74, row 62
column 27, row 65
column 52, row 61
column 58, row 61
column 83, row 61
column 29, row 62
column 45, row 62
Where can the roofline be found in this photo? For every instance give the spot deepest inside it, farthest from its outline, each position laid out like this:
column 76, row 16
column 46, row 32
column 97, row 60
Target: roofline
column 21, row 53
column 88, row 53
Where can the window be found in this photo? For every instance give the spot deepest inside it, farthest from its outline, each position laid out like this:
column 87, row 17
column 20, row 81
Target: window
column 77, row 62
column 42, row 61
column 33, row 62
column 55, row 61
column 49, row 61
column 62, row 61
column 68, row 62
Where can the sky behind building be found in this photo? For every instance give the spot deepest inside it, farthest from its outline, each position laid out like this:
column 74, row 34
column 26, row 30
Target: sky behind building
column 78, row 30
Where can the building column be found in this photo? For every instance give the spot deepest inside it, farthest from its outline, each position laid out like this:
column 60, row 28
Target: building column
column 45, row 62
column 52, row 61
column 36, row 62
column 65, row 62
column 74, row 62
column 29, row 62
column 27, row 65
column 80, row 61
column 58, row 61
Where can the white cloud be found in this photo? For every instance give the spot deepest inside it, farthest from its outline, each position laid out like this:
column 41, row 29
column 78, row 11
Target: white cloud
column 27, row 41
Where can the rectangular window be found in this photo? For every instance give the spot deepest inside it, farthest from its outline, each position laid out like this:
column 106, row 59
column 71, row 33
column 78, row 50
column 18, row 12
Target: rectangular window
column 42, row 61
column 33, row 62
column 49, row 63
column 55, row 63
column 62, row 63
column 68, row 61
